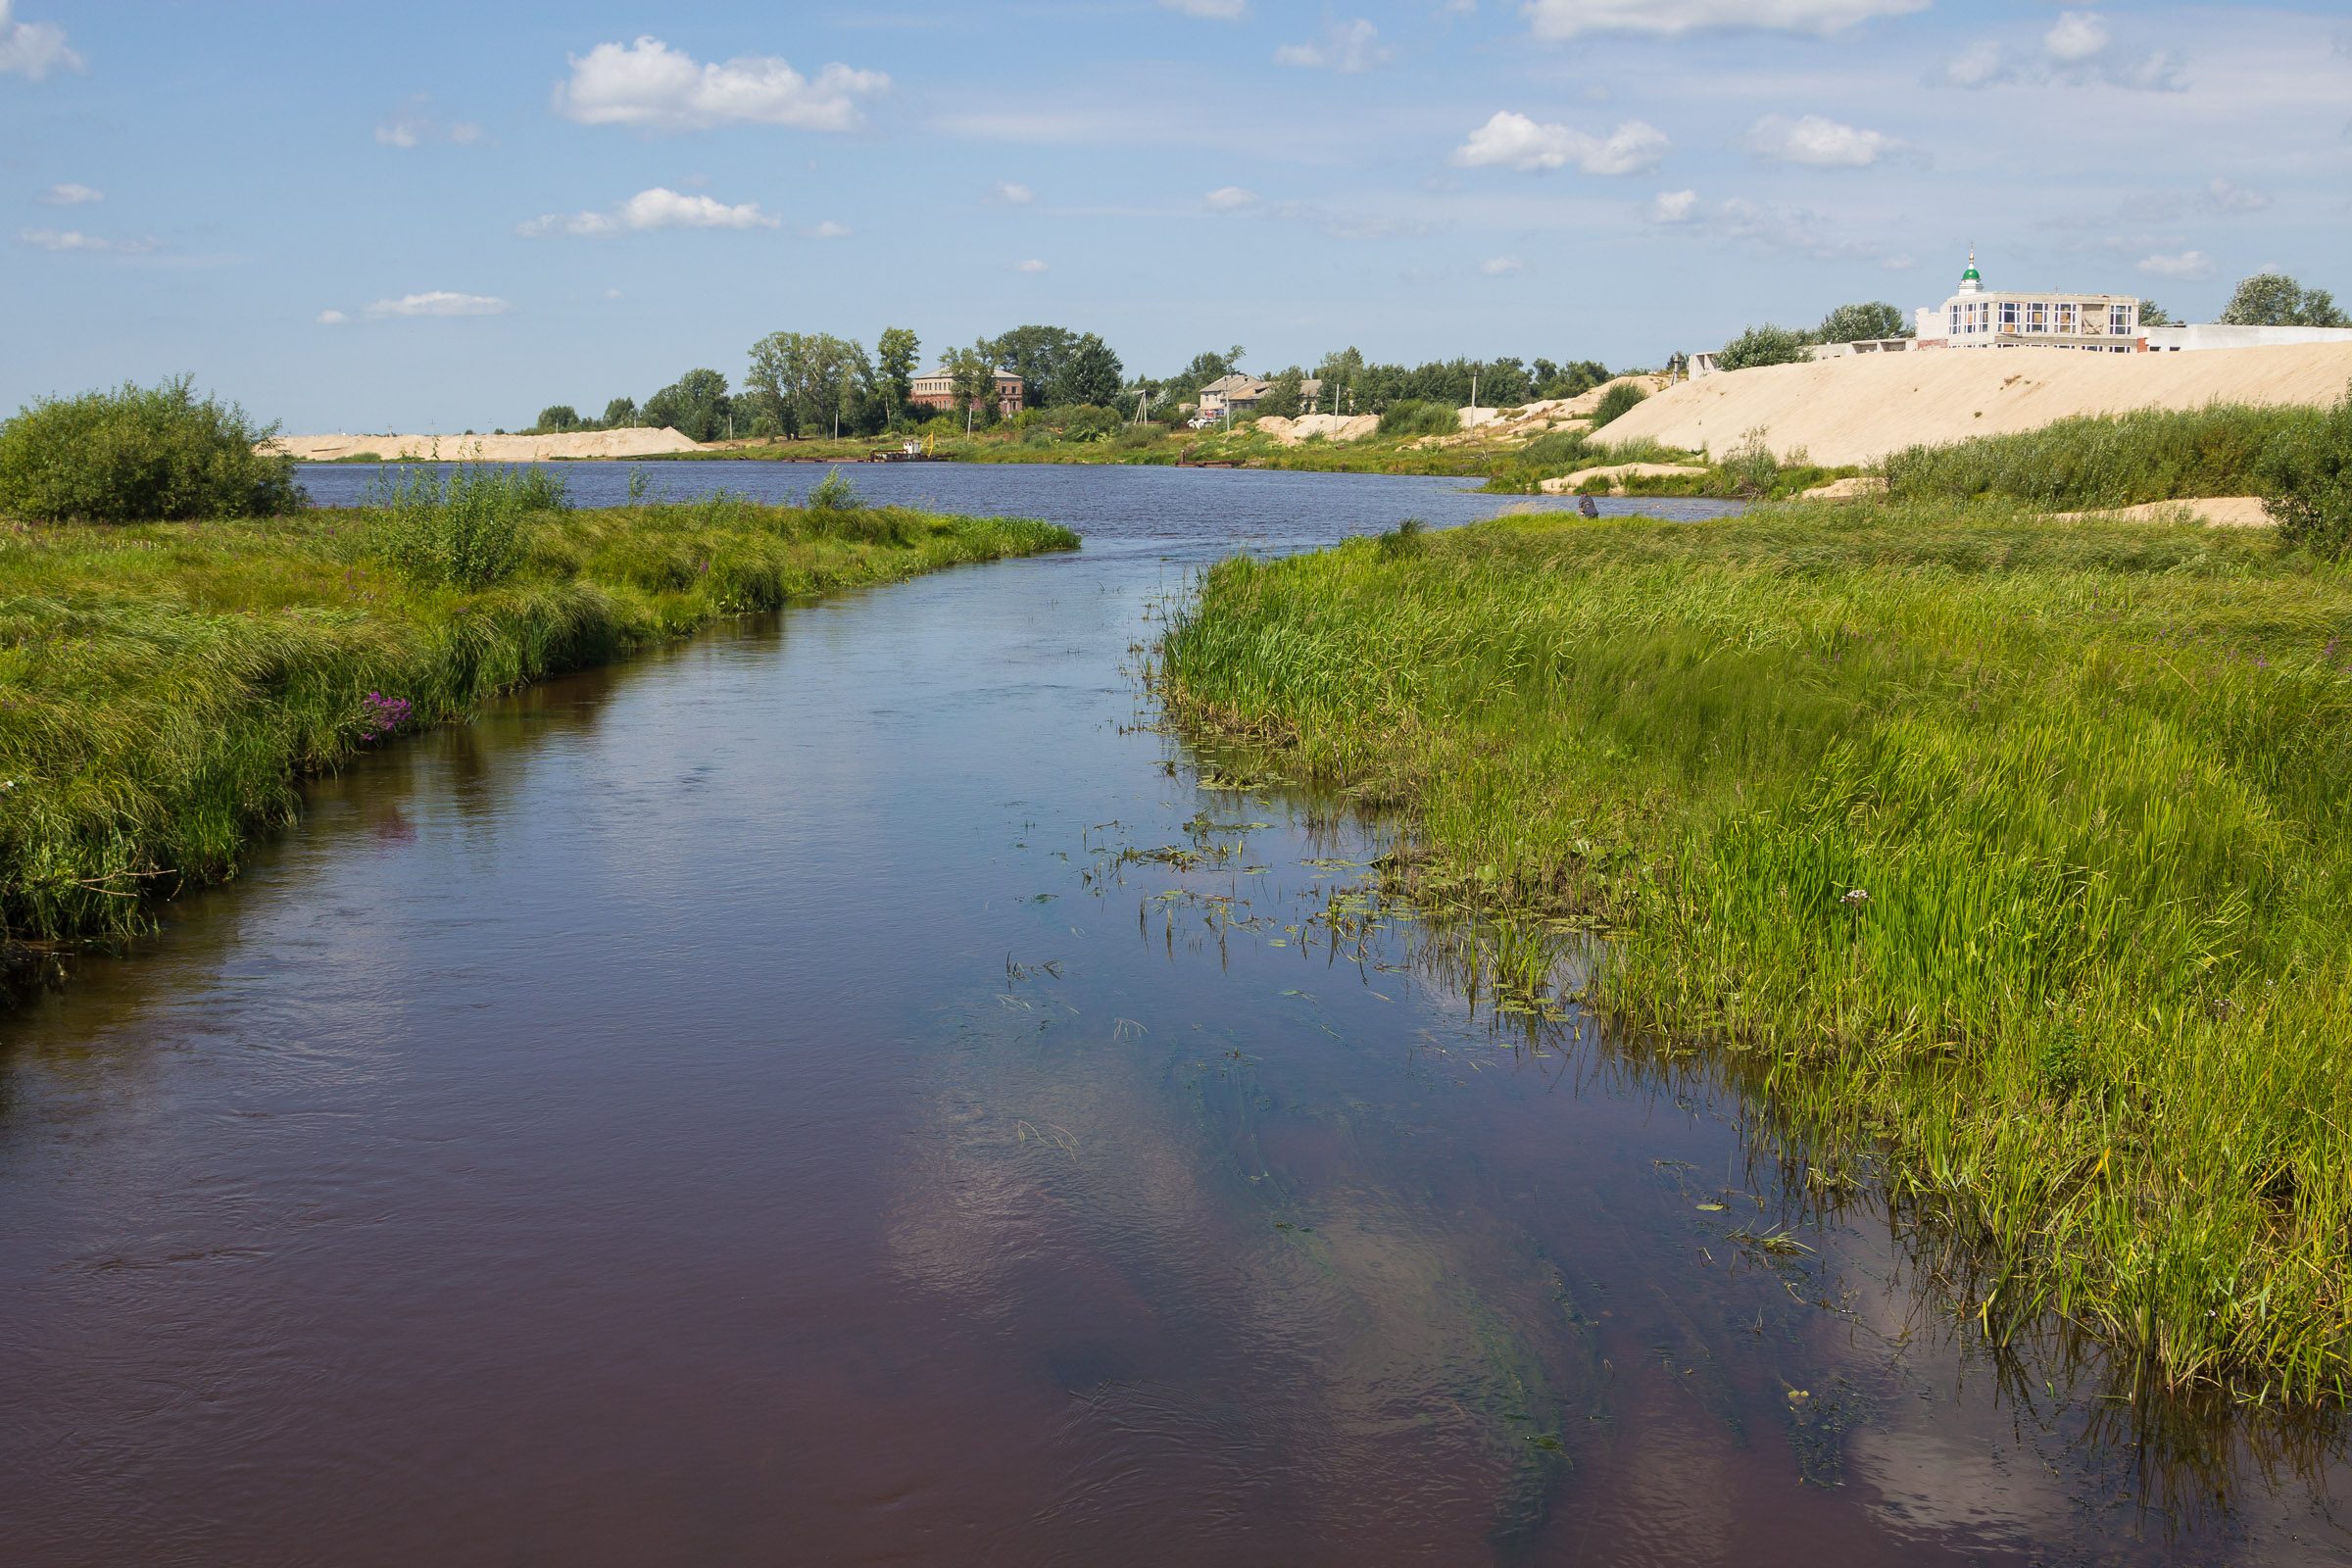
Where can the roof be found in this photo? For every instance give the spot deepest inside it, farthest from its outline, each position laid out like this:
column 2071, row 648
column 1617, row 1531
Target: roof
column 1228, row 385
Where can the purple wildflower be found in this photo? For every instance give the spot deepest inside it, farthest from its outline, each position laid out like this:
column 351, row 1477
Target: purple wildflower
column 381, row 715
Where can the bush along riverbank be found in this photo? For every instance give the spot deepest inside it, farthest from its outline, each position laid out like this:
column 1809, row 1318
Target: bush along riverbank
column 163, row 686
column 2009, row 859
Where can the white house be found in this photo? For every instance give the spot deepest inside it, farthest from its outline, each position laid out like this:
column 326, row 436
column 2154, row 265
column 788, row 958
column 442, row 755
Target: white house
column 1976, row 318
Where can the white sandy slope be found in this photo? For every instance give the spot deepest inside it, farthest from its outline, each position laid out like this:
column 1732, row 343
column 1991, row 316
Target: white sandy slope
column 1860, row 408
column 485, row 447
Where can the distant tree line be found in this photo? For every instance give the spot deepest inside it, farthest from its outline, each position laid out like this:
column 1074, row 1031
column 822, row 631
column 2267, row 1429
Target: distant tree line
column 801, row 384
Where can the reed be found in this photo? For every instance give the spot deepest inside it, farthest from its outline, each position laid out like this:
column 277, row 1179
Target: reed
column 163, row 687
column 2010, row 856
column 2097, row 461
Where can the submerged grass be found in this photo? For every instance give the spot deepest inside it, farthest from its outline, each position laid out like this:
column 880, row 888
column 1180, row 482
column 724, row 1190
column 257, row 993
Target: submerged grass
column 163, row 686
column 2013, row 856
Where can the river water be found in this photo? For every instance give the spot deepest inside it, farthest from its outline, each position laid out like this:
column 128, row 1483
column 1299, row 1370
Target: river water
column 848, row 1087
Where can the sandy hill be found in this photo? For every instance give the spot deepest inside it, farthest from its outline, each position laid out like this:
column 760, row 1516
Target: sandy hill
column 1858, row 409
column 487, row 448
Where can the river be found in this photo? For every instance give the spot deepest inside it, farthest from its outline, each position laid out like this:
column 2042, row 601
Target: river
column 850, row 1088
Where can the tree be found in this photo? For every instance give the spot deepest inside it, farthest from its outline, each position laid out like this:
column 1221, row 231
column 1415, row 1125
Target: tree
column 1851, row 324
column 2152, row 314
column 556, row 417
column 896, row 354
column 695, row 405
column 1035, row 354
column 811, row 380
column 1573, row 379
column 1282, row 395
column 2273, row 299
column 1090, row 373
column 1339, row 370
column 973, row 374
column 1762, row 345
column 620, row 414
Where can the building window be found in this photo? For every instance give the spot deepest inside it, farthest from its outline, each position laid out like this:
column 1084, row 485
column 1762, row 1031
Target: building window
column 2038, row 317
column 1955, row 328
column 2008, row 316
column 2119, row 320
column 2066, row 317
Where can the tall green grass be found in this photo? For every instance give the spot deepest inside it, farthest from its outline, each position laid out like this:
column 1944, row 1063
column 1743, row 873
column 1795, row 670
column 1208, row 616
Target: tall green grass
column 1417, row 419
column 163, row 687
column 2014, row 857
column 2098, row 461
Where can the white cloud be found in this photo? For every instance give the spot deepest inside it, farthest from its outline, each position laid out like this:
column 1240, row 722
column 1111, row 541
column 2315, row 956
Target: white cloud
column 1819, row 142
column 1009, row 194
column 1980, row 65
column 332, row 318
column 829, row 229
column 1033, row 265
column 652, row 86
column 1503, row 266
column 1558, row 20
column 1673, row 205
column 73, row 239
column 415, row 124
column 32, row 49
column 440, row 302
column 1347, row 47
column 1230, row 199
column 2189, row 266
column 2223, row 197
column 651, row 210
column 2076, row 53
column 1515, row 141
column 69, row 196
column 1211, row 9
column 2075, row 37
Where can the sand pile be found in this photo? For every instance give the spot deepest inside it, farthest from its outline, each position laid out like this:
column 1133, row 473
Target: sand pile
column 2214, row 512
column 485, row 447
column 1860, row 408
column 1330, row 427
column 1617, row 473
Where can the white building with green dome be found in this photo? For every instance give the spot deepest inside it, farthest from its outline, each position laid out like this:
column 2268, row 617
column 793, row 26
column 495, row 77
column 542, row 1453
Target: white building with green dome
column 1978, row 318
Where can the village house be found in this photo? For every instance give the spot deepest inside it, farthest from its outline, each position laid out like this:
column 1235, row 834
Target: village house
column 936, row 390
column 1242, row 394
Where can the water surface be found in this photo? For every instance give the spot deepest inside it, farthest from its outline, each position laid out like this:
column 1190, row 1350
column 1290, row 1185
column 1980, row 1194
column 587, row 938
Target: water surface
column 842, row 1088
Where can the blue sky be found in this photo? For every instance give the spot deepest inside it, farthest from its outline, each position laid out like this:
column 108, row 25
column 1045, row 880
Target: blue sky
column 443, row 217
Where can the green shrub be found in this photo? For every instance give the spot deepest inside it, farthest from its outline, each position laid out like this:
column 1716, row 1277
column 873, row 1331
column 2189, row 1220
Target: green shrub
column 1084, row 422
column 1414, row 418
column 1135, row 437
column 2095, row 461
column 1620, row 396
column 1405, row 540
column 1762, row 345
column 464, row 528
column 834, row 494
column 140, row 455
column 2306, row 482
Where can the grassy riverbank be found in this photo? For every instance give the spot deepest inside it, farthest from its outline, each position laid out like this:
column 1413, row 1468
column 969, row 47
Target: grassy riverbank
column 163, row 686
column 2012, row 857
